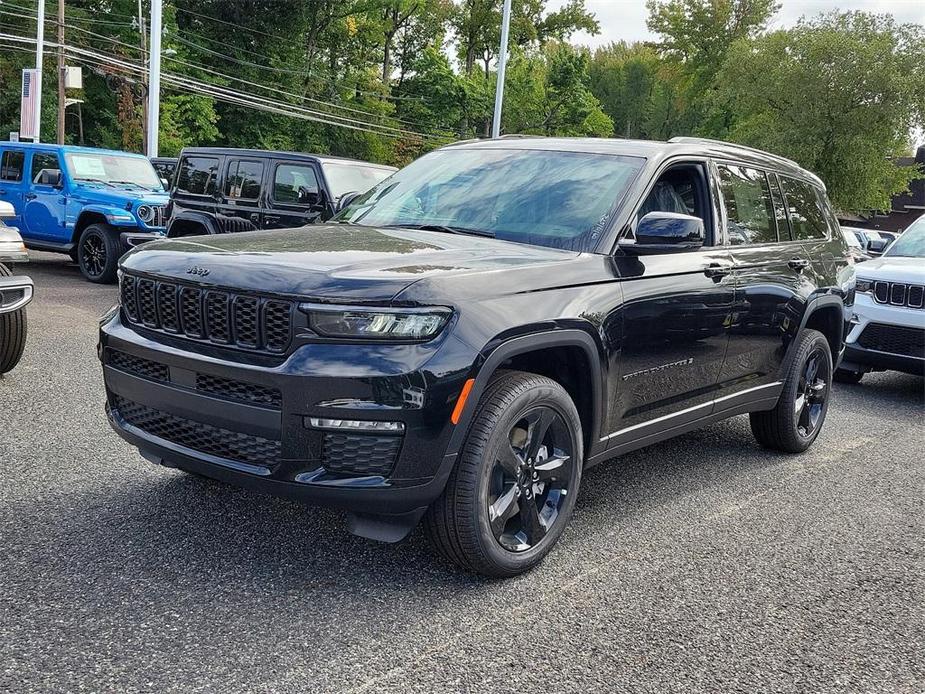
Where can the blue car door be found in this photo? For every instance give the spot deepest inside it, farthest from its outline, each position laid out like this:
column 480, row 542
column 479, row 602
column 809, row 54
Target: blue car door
column 44, row 209
column 12, row 179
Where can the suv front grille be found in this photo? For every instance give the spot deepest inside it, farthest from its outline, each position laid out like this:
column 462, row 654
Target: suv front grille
column 900, row 294
column 216, row 316
column 204, row 438
column 894, row 339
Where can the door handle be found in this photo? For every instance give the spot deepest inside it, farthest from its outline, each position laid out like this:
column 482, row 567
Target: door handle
column 798, row 264
column 30, row 196
column 717, row 270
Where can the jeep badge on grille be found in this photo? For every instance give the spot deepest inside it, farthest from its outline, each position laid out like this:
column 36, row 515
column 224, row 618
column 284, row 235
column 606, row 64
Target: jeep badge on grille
column 196, row 270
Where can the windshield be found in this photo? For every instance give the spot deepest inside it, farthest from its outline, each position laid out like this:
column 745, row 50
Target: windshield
column 113, row 169
column 352, row 178
column 545, row 198
column 911, row 243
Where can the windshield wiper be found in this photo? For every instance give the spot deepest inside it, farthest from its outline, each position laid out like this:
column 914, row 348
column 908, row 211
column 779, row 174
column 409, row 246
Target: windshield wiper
column 445, row 229
column 130, row 183
column 95, row 180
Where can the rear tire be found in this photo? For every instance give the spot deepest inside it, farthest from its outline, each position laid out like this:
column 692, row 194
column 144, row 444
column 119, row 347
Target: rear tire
column 851, row 377
column 98, row 253
column 514, row 486
column 797, row 419
column 13, row 330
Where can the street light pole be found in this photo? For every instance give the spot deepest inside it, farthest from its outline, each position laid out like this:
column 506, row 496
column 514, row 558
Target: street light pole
column 39, row 59
column 502, row 64
column 154, row 78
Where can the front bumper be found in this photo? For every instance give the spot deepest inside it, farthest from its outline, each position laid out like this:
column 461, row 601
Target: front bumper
column 869, row 351
column 242, row 419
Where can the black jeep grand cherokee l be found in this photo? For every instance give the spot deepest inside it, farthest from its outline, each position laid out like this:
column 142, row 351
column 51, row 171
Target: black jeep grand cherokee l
column 480, row 327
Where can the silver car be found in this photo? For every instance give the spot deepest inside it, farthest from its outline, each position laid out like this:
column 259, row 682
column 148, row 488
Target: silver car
column 15, row 293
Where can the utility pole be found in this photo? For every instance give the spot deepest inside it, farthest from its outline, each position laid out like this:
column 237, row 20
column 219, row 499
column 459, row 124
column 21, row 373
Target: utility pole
column 502, row 64
column 154, row 78
column 144, row 61
column 39, row 59
column 62, row 98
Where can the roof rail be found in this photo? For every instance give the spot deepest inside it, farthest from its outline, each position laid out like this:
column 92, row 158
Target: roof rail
column 708, row 141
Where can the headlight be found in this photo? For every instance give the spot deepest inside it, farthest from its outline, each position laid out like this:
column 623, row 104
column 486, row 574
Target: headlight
column 864, row 286
column 109, row 314
column 145, row 213
column 376, row 324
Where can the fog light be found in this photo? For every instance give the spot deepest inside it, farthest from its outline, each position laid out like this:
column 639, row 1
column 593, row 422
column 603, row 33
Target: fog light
column 356, row 425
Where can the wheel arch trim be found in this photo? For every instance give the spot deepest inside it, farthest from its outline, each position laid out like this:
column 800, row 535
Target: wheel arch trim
column 531, row 343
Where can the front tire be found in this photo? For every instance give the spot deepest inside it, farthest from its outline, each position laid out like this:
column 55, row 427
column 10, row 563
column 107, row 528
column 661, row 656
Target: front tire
column 13, row 330
column 797, row 419
column 98, row 253
column 515, row 483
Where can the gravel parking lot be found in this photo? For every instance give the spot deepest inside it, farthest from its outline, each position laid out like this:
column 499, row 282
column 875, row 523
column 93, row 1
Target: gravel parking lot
column 701, row 564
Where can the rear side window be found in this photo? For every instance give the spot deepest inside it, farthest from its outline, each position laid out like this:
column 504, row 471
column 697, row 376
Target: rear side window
column 807, row 216
column 749, row 207
column 45, row 168
column 11, row 165
column 295, row 184
column 197, row 175
column 244, row 179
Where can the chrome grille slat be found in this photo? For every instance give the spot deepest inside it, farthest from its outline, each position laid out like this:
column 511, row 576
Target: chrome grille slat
column 215, row 316
column 899, row 294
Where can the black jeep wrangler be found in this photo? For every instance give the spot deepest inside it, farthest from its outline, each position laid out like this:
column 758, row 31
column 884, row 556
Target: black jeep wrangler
column 218, row 190
column 469, row 336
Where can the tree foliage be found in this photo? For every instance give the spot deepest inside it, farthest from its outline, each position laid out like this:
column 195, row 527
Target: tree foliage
column 386, row 80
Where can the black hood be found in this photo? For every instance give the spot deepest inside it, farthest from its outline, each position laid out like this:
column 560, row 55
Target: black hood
column 335, row 261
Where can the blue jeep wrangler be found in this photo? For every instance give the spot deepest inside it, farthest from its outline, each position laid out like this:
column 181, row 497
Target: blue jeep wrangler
column 92, row 204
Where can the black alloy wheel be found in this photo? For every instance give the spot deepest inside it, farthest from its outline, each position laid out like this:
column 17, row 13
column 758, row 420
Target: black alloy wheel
column 813, row 389
column 514, row 486
column 98, row 253
column 530, row 480
column 797, row 418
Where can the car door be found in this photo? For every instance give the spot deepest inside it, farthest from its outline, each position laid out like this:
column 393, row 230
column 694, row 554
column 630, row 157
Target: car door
column 293, row 196
column 771, row 287
column 242, row 190
column 13, row 180
column 44, row 200
column 195, row 185
column 675, row 317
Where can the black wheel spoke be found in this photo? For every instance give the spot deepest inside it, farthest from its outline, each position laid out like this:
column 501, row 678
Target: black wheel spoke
column 533, row 525
column 551, row 468
column 510, row 461
column 505, row 507
column 539, row 423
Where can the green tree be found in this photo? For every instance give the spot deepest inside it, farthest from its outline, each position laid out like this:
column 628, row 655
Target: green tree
column 839, row 94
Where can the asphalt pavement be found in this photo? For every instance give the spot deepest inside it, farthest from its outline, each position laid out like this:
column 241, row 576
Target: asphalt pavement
column 703, row 564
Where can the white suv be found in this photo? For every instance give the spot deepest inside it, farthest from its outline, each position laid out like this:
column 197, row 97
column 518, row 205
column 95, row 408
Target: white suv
column 888, row 325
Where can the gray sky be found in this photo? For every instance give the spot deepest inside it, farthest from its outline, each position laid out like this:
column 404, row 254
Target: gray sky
column 626, row 19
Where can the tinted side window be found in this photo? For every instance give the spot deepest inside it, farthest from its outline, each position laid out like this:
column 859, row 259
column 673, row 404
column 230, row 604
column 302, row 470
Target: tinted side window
column 197, row 175
column 295, row 184
column 244, row 179
column 807, row 217
column 45, row 161
column 11, row 165
column 749, row 208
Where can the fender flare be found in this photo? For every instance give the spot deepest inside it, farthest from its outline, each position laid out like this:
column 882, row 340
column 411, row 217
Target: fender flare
column 529, row 343
column 115, row 216
column 204, row 219
column 814, row 304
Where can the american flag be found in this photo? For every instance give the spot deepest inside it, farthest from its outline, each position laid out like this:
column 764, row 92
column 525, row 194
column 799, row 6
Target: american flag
column 27, row 115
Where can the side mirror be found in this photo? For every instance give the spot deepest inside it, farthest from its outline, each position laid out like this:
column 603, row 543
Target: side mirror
column 665, row 232
column 346, row 199
column 877, row 246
